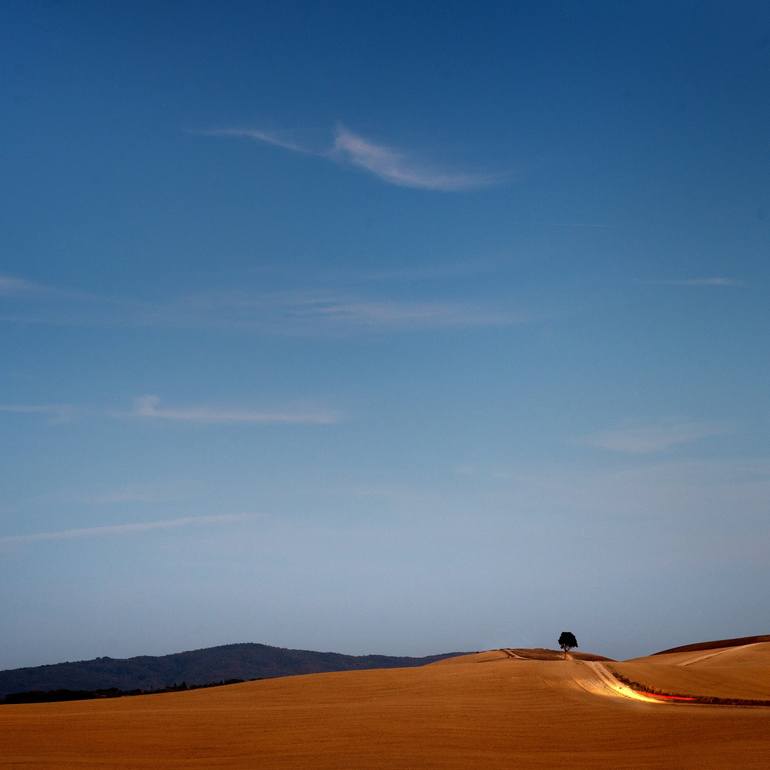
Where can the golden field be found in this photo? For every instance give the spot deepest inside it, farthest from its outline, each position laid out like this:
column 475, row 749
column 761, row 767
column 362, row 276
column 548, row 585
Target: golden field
column 488, row 710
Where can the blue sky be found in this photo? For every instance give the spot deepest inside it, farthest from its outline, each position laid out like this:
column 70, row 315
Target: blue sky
column 377, row 328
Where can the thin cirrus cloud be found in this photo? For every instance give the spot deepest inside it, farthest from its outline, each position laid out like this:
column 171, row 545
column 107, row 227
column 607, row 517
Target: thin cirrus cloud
column 289, row 312
column 341, row 313
column 258, row 136
column 9, row 285
column 312, row 313
column 657, row 437
column 28, row 302
column 387, row 163
column 13, row 286
column 149, row 407
column 126, row 529
column 57, row 412
column 397, row 168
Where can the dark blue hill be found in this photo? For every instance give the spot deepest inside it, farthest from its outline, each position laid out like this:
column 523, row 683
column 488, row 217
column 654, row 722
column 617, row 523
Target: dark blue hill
column 196, row 667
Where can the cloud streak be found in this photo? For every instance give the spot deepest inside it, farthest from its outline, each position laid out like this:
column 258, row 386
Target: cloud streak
column 658, row 437
column 288, row 312
column 387, row 163
column 27, row 302
column 126, row 529
column 314, row 313
column 397, row 168
column 256, row 135
column 58, row 412
column 340, row 313
column 12, row 286
column 149, row 407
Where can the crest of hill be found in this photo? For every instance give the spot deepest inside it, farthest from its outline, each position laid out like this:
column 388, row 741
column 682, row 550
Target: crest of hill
column 717, row 644
column 519, row 653
column 541, row 653
column 195, row 667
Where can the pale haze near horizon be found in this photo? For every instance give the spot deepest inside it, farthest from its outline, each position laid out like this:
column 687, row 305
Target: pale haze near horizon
column 383, row 329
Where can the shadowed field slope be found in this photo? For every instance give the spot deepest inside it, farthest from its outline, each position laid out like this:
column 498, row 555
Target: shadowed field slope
column 721, row 672
column 717, row 644
column 213, row 664
column 488, row 711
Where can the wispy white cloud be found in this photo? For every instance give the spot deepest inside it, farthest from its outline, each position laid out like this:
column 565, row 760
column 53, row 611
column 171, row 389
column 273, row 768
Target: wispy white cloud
column 387, row 163
column 268, row 137
column 349, row 313
column 10, row 285
column 126, row 529
column 398, row 168
column 28, row 302
column 298, row 311
column 316, row 313
column 58, row 412
column 14, row 286
column 150, row 407
column 657, row 437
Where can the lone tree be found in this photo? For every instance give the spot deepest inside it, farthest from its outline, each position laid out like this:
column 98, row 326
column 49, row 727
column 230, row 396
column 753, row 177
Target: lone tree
column 567, row 641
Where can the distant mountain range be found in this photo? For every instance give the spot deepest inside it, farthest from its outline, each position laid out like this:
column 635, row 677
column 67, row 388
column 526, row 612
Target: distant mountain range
column 196, row 667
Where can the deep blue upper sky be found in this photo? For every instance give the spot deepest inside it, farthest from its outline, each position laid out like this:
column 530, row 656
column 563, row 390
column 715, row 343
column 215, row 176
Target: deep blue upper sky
column 382, row 327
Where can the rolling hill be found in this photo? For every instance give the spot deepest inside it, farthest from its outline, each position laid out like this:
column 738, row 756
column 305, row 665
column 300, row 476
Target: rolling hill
column 491, row 710
column 195, row 667
column 717, row 644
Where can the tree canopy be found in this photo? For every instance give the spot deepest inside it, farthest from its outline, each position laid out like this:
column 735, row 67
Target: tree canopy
column 567, row 641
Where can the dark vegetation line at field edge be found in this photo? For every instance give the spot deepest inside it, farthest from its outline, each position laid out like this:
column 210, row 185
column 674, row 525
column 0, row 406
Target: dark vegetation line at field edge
column 709, row 700
column 62, row 695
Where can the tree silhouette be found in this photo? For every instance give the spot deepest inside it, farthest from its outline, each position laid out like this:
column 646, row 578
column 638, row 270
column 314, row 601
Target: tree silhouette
column 567, row 641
